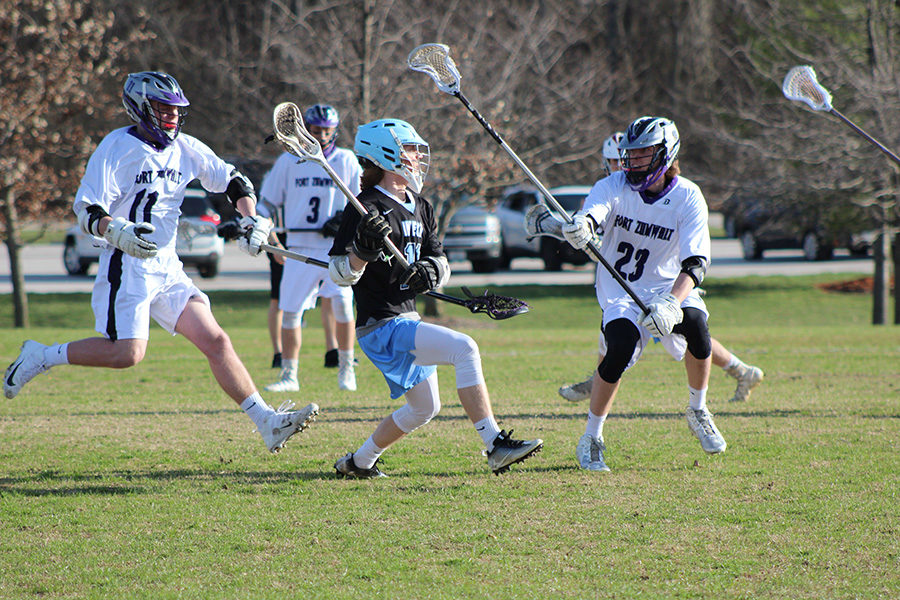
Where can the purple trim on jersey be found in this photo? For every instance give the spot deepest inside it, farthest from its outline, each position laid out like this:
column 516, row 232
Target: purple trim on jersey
column 648, row 199
column 133, row 131
column 114, row 277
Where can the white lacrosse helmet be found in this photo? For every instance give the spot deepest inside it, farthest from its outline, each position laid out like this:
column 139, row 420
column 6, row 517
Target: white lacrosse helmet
column 382, row 142
column 647, row 132
column 140, row 89
column 611, row 151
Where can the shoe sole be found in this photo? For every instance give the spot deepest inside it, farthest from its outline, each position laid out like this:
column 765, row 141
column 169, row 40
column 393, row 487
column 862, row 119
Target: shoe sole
column 506, row 467
column 310, row 418
column 271, row 388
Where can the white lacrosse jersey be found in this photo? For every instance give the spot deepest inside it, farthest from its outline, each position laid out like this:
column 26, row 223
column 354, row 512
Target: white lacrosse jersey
column 307, row 195
column 646, row 242
column 130, row 178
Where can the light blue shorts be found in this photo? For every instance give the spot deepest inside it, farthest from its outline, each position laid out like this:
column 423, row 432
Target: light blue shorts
column 390, row 349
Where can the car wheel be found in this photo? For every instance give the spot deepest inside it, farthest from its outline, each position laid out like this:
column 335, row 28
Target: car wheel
column 75, row 265
column 208, row 270
column 750, row 246
column 550, row 255
column 815, row 249
column 730, row 226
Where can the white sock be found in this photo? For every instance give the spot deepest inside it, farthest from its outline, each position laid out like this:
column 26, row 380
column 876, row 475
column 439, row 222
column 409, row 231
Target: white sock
column 595, row 425
column 698, row 398
column 345, row 357
column 367, row 454
column 734, row 362
column 488, row 429
column 257, row 409
column 57, row 354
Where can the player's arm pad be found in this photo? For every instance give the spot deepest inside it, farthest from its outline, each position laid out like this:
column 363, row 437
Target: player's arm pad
column 443, row 269
column 89, row 219
column 238, row 187
column 695, row 267
column 341, row 272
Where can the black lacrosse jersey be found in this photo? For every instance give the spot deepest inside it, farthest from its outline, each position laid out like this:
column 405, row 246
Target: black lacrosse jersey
column 378, row 293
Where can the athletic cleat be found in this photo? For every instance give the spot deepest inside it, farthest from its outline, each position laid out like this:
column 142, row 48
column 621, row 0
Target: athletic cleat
column 287, row 382
column 589, row 452
column 748, row 377
column 276, row 360
column 578, row 391
column 281, row 424
column 29, row 364
column 347, row 468
column 702, row 426
column 508, row 451
column 347, row 378
column 331, row 359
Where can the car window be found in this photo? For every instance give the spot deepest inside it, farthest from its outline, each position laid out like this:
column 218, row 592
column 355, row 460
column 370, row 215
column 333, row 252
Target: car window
column 570, row 202
column 520, row 201
column 195, row 206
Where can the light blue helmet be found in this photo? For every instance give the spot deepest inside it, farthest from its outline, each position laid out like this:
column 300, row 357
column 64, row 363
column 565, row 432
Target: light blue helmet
column 382, row 142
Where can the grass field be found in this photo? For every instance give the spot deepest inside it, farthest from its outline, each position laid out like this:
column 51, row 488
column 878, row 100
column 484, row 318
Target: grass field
column 151, row 483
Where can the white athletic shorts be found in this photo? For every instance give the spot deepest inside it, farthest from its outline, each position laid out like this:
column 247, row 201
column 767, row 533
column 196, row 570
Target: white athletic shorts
column 675, row 344
column 302, row 284
column 128, row 291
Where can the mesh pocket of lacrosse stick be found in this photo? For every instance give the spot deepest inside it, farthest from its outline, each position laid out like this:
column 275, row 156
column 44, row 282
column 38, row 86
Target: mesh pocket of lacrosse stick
column 290, row 132
column 800, row 84
column 496, row 307
column 434, row 60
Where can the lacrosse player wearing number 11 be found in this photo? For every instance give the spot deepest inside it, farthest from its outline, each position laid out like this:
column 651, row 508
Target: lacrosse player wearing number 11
column 130, row 196
column 656, row 232
column 389, row 330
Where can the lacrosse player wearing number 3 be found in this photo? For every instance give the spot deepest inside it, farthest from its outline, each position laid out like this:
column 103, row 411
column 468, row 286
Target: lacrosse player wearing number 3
column 131, row 196
column 389, row 330
column 656, row 233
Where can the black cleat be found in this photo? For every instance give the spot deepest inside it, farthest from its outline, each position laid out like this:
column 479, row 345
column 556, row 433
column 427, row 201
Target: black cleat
column 347, row 468
column 276, row 360
column 508, row 451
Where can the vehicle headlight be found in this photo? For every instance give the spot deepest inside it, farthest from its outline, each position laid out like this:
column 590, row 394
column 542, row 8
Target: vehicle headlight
column 492, row 228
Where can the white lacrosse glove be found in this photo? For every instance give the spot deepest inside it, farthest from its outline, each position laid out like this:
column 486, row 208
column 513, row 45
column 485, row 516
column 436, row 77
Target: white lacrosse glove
column 579, row 232
column 256, row 231
column 665, row 314
column 126, row 236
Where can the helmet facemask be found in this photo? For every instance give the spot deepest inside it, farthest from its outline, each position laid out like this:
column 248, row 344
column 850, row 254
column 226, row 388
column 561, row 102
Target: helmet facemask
column 322, row 116
column 140, row 90
column 414, row 160
column 641, row 177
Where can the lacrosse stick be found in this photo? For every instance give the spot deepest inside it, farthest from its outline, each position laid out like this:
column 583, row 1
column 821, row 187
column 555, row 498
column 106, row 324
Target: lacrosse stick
column 496, row 307
column 188, row 231
column 801, row 85
column 295, row 139
column 434, row 60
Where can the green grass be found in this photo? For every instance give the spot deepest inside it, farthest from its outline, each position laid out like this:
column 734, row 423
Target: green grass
column 149, row 482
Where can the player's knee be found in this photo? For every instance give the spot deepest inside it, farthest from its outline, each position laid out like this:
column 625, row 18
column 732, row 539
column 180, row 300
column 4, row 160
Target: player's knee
column 343, row 309
column 621, row 337
column 466, row 359
column 410, row 417
column 291, row 320
column 695, row 330
column 126, row 355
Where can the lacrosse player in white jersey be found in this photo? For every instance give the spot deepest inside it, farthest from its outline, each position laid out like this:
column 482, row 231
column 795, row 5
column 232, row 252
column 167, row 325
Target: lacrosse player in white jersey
column 312, row 206
column 655, row 232
column 404, row 348
column 747, row 376
column 130, row 196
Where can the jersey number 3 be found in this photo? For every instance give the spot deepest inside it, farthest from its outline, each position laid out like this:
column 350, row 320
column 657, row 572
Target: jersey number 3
column 640, row 259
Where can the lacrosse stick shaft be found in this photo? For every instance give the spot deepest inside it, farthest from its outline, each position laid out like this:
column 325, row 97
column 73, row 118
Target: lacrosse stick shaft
column 859, row 130
column 594, row 250
column 321, row 263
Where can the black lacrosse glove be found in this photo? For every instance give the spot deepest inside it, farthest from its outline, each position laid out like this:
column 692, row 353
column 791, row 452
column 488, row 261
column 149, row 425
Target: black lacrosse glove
column 331, row 226
column 370, row 233
column 421, row 276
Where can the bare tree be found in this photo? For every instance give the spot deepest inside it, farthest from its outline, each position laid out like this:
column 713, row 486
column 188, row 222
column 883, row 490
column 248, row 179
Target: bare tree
column 54, row 68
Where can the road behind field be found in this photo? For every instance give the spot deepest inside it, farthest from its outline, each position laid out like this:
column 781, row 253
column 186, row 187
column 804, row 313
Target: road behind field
column 44, row 272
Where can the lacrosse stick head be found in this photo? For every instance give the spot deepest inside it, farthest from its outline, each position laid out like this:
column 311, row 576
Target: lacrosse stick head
column 434, row 60
column 800, row 84
column 496, row 307
column 287, row 120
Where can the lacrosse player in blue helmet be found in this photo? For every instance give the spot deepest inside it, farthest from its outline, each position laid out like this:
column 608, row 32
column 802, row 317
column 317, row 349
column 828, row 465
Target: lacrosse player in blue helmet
column 655, row 230
column 390, row 332
column 130, row 198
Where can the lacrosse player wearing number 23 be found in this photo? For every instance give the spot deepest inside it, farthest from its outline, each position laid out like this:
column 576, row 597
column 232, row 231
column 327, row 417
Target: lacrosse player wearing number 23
column 390, row 332
column 130, row 196
column 656, row 234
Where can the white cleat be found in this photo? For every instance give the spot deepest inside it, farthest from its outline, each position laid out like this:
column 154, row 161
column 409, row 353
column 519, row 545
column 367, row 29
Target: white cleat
column 347, row 377
column 287, row 382
column 578, row 391
column 589, row 452
column 29, row 364
column 702, row 426
column 282, row 424
column 748, row 377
